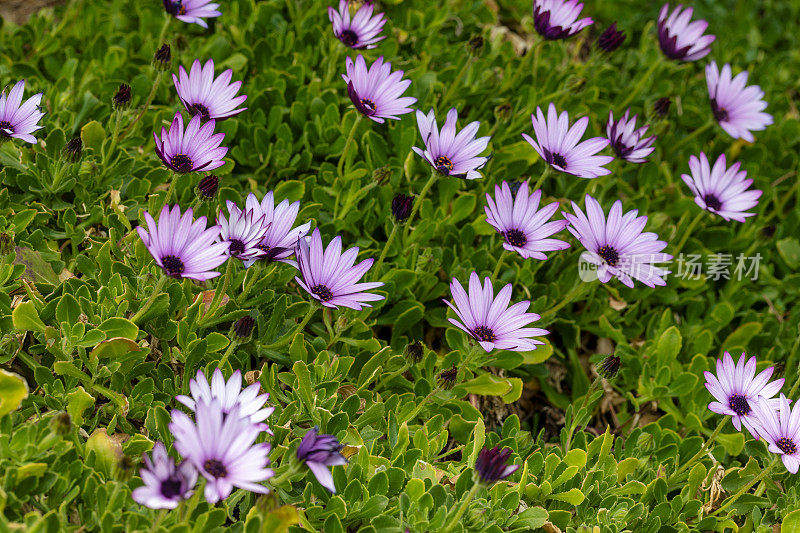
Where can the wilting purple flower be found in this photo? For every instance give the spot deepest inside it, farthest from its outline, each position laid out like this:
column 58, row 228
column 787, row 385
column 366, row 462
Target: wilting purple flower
column 360, row 31
column 244, row 230
column 611, row 38
column 617, row 246
column 524, row 227
column 780, row 427
column 376, row 92
column 557, row 143
column 491, row 467
column 720, row 190
column 183, row 247
column 192, row 11
column 319, row 452
column 329, row 275
column 221, row 447
column 203, row 95
column 490, row 320
column 629, row 143
column 17, row 120
column 737, row 108
column 229, row 394
column 680, row 39
column 165, row 484
column 449, row 153
column 280, row 240
column 557, row 19
column 196, row 149
column 736, row 389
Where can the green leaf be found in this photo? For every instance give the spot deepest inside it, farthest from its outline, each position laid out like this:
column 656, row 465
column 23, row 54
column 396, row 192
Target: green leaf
column 13, row 389
column 791, row 522
column 119, row 327
column 789, row 249
column 114, row 349
column 25, row 318
column 77, row 402
column 93, row 135
column 732, row 442
column 669, row 344
column 572, row 496
column 488, row 385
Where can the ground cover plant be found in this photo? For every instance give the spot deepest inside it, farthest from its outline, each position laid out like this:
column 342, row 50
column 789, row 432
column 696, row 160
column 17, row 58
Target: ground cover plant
column 415, row 266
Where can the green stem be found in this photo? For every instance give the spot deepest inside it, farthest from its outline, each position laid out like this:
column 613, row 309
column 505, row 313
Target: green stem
column 156, row 290
column 159, row 517
column 294, row 468
column 730, row 501
column 147, row 103
column 640, row 84
column 170, row 191
column 688, row 232
column 219, row 292
column 228, row 353
column 574, row 425
column 456, row 82
column 283, row 341
column 702, row 129
column 499, row 264
column 462, row 508
column 418, row 203
column 377, row 267
column 538, row 183
column 114, row 138
column 574, row 293
column 58, row 176
column 702, row 452
column 343, row 158
column 164, row 27
column 419, row 406
column 389, row 377
column 476, row 349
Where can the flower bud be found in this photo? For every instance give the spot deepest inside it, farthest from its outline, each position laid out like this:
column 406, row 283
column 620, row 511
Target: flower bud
column 401, row 207
column 163, row 58
column 382, row 175
column 611, row 39
column 415, row 351
column 243, row 327
column 475, row 45
column 609, row 367
column 73, row 150
column 207, row 187
column 447, row 378
column 122, row 98
column 661, row 107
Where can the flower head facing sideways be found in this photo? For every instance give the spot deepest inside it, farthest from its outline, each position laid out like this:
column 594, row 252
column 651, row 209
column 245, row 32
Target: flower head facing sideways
column 377, row 92
column 198, row 148
column 203, row 95
column 721, row 190
column 319, row 453
column 489, row 319
column 183, row 247
column 165, row 484
column 244, row 230
column 280, row 240
column 525, row 228
column 451, row 153
column 779, row 425
column 680, row 38
column 616, row 245
column 491, row 467
column 192, row 11
column 362, row 30
column 736, row 387
column 18, row 120
column 737, row 107
column 628, row 142
column 558, row 19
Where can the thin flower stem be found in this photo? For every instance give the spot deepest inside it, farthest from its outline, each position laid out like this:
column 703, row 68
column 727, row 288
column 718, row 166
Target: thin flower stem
column 702, row 129
column 538, row 183
column 170, row 191
column 747, row 487
column 688, row 232
column 114, row 138
column 579, row 289
column 456, row 82
column 232, row 346
column 159, row 517
column 640, row 84
column 418, row 203
column 343, row 158
column 147, row 103
column 462, row 508
column 499, row 264
column 574, row 425
column 389, row 377
column 702, row 452
column 377, row 267
column 153, row 294
column 219, row 293
column 283, row 341
column 294, row 468
column 419, row 406
column 164, row 28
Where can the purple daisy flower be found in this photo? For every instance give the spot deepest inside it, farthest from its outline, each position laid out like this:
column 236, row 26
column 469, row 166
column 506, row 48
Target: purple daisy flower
column 192, row 11
column 244, row 230
column 329, row 275
column 165, row 484
column 319, row 452
column 558, row 19
column 222, row 448
column 736, row 389
column 524, row 227
column 491, row 467
column 280, row 240
column 17, row 120
column 629, row 143
column 229, row 394
column 203, row 95
column 737, row 108
column 449, row 153
column 557, row 143
column 617, row 246
column 360, row 31
column 376, row 92
column 780, row 427
column 490, row 320
column 721, row 190
column 196, row 149
column 183, row 247
column 680, row 39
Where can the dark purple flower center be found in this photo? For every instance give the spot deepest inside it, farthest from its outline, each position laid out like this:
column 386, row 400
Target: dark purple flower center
column 324, row 293
column 443, row 165
column 171, row 488
column 739, row 405
column 349, row 37
column 369, row 104
column 712, row 202
column 199, row 109
column 237, row 247
column 516, row 238
column 484, row 334
column 175, row 7
column 181, row 162
column 558, row 159
column 215, row 468
column 720, row 113
column 787, row 446
column 173, row 265
column 6, row 129
column 609, row 255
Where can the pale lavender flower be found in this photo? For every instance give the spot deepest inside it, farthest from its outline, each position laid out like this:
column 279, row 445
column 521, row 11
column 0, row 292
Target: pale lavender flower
column 280, row 240
column 360, row 31
column 736, row 389
column 558, row 144
column 780, row 428
column 558, row 19
column 244, row 230
column 16, row 120
column 165, row 484
column 681, row 39
column 738, row 108
column 222, row 448
column 192, row 11
column 376, row 92
column 490, row 320
column 183, row 247
column 525, row 228
column 451, row 153
column 617, row 246
column 329, row 275
column 628, row 142
column 319, row 452
column 196, row 149
column 205, row 96
column 491, row 467
column 721, row 190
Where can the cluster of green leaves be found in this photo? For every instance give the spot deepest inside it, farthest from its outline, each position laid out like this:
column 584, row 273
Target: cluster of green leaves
column 78, row 272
